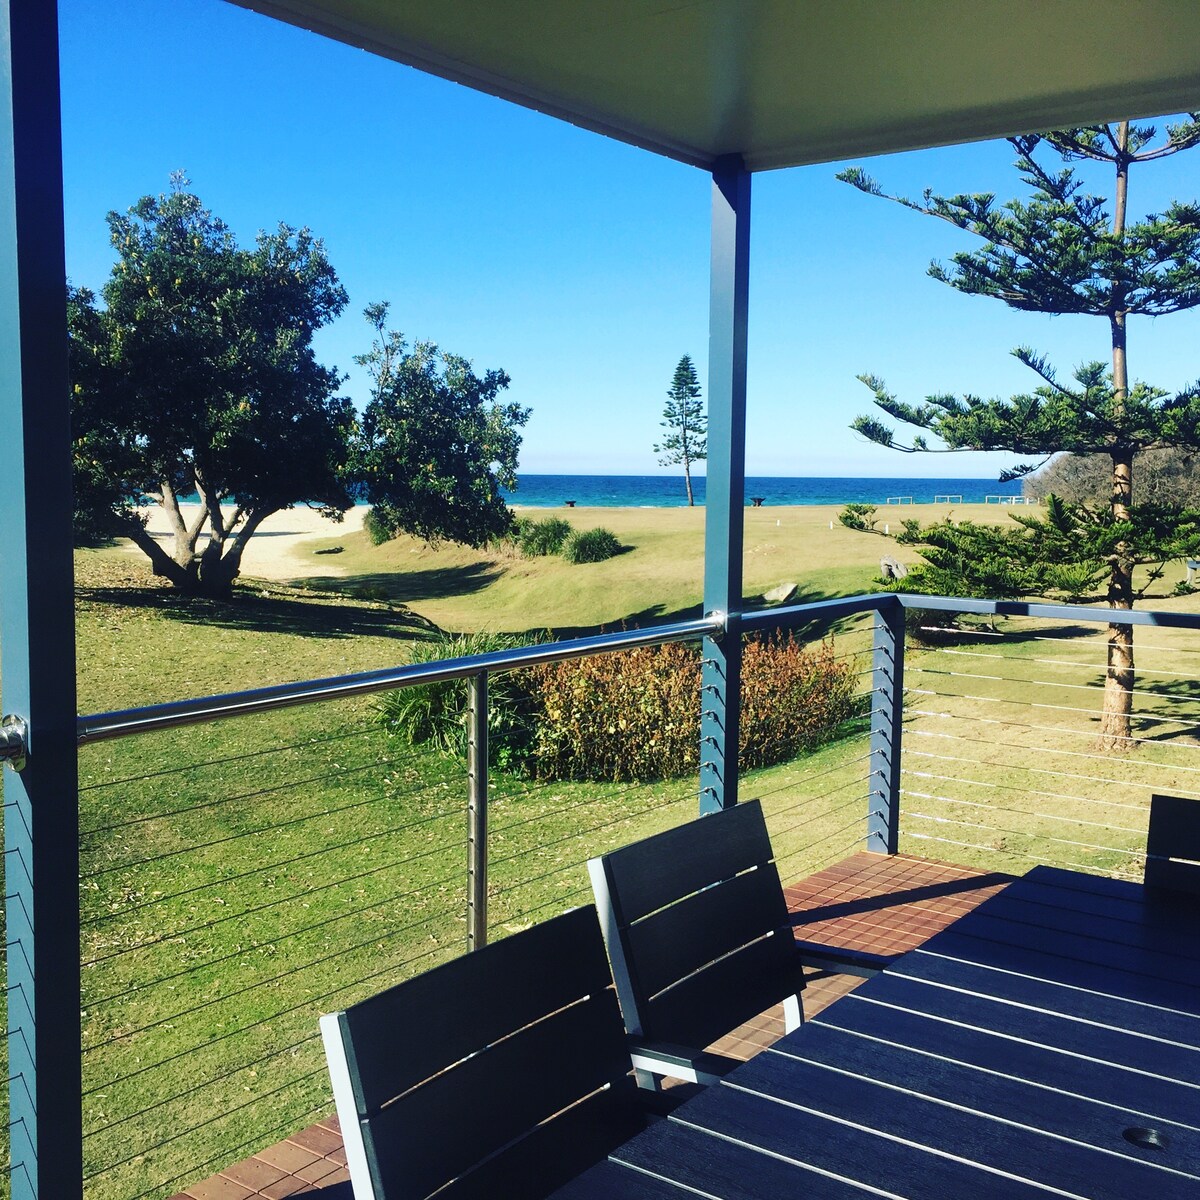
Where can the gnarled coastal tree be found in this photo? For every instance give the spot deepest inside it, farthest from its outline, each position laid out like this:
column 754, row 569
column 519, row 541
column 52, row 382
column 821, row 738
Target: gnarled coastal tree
column 197, row 375
column 1067, row 251
column 435, row 444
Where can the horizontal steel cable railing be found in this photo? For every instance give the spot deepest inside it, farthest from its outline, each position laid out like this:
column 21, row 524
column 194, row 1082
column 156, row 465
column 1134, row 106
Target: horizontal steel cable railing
column 287, row 864
column 229, row 897
column 1007, row 761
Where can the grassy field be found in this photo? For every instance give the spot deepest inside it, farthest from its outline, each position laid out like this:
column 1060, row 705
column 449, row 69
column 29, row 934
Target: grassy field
column 240, row 879
column 658, row 578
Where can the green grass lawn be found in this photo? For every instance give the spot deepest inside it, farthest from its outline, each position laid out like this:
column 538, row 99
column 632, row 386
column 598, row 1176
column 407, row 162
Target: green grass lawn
column 658, row 578
column 241, row 878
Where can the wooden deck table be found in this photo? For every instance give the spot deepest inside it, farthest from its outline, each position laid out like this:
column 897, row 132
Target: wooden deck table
column 1048, row 1043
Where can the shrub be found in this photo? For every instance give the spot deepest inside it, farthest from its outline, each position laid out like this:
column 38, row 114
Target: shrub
column 593, row 545
column 624, row 716
column 628, row 716
column 793, row 699
column 636, row 715
column 858, row 516
column 435, row 714
column 376, row 530
column 539, row 538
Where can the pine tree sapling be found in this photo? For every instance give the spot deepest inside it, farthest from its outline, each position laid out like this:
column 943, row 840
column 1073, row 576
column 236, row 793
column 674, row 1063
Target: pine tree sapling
column 686, row 440
column 860, row 517
column 1067, row 251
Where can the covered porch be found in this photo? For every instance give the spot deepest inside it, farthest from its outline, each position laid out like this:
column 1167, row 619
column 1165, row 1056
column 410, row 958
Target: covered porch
column 730, row 89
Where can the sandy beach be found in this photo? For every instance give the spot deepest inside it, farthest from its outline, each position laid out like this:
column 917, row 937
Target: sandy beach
column 273, row 550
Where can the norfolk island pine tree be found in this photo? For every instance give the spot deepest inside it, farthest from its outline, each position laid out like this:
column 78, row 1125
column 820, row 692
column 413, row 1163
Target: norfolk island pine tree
column 684, row 418
column 1064, row 251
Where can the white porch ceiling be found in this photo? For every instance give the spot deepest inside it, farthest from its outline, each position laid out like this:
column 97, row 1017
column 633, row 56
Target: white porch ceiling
column 786, row 82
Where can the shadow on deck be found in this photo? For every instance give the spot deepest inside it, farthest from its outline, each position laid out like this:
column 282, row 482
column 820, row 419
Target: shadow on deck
column 878, row 906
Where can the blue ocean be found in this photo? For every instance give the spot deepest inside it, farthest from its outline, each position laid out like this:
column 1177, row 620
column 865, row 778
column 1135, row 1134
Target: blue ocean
column 660, row 491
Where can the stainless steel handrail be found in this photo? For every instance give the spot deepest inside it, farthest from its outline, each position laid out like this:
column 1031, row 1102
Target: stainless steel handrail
column 1097, row 614
column 123, row 723
column 817, row 610
column 101, row 727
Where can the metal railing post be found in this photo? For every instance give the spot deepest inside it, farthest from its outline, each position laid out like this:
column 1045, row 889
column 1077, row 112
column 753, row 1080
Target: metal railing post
column 41, row 821
column 887, row 714
column 477, row 810
column 723, row 532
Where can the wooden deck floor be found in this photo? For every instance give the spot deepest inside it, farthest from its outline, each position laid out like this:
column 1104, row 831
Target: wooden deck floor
column 879, row 906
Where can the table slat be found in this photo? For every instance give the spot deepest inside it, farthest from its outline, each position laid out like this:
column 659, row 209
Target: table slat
column 896, row 1167
column 1048, row 1110
column 1006, row 986
column 1060, row 964
column 1152, row 1096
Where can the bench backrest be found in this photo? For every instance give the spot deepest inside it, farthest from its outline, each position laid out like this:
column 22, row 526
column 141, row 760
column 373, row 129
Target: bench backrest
column 463, row 1073
column 1173, row 844
column 697, row 927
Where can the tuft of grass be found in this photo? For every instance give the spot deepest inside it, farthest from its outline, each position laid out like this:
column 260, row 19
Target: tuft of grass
column 591, row 546
column 435, row 715
column 540, row 538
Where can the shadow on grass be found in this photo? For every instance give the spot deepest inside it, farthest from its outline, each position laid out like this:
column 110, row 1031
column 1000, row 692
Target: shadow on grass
column 658, row 614
column 436, row 583
column 299, row 615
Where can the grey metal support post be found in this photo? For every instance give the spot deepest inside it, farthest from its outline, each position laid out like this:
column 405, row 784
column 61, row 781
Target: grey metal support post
column 887, row 717
column 477, row 810
column 725, row 485
column 41, row 824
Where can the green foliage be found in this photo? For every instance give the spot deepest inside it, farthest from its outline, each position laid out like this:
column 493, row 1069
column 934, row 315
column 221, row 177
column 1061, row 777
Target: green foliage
column 1058, row 252
column 104, row 457
column 1092, row 416
column 627, row 716
column 435, row 444
column 1062, row 252
column 199, row 374
column 537, row 539
column 591, row 546
column 1064, row 553
column 375, row 529
column 967, row 559
column 794, row 699
column 634, row 716
column 435, row 714
column 686, row 440
column 858, row 516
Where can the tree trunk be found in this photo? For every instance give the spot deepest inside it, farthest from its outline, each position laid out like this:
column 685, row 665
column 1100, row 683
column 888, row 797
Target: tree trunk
column 1116, row 730
column 687, row 475
column 212, row 571
column 221, row 562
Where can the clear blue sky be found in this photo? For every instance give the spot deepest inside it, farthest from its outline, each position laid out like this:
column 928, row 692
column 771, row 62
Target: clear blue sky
column 576, row 263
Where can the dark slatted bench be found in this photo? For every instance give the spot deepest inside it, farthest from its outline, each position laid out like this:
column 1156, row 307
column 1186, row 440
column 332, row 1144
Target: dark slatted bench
column 877, row 905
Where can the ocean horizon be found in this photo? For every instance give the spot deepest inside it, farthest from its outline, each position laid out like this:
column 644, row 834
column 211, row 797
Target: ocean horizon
column 663, row 491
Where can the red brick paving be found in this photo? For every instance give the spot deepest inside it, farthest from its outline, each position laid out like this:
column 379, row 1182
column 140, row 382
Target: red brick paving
column 884, row 905
column 877, row 905
column 310, row 1163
